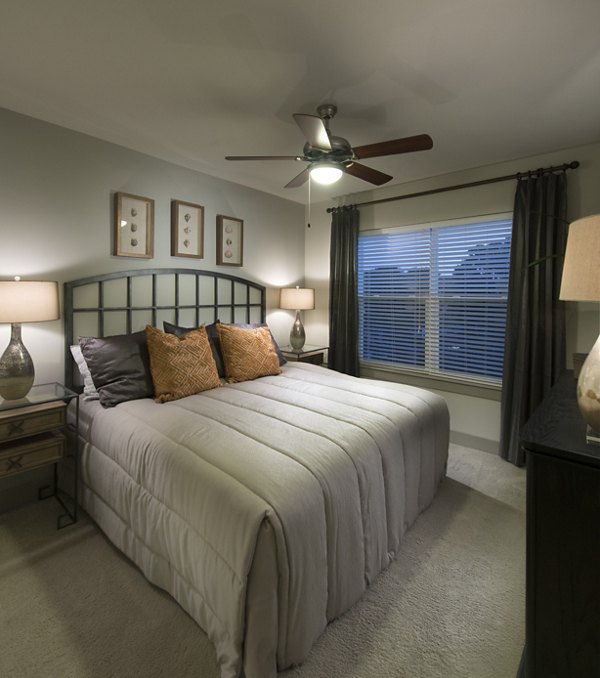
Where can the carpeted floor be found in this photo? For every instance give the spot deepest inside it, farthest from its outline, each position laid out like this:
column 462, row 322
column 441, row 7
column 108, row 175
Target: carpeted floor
column 451, row 606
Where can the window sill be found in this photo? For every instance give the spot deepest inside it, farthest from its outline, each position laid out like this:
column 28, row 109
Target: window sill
column 437, row 383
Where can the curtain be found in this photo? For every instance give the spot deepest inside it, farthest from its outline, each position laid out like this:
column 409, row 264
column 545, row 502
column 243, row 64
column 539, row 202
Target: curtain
column 343, row 291
column 534, row 354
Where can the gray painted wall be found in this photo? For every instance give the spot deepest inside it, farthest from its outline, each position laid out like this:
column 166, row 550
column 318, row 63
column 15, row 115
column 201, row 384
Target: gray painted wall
column 56, row 216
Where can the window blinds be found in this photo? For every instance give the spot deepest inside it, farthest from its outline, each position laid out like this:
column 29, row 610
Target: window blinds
column 434, row 299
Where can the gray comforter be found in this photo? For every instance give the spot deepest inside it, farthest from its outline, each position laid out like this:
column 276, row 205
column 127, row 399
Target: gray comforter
column 266, row 507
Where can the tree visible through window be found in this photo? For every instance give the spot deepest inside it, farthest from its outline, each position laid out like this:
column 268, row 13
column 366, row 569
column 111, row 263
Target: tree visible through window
column 434, row 299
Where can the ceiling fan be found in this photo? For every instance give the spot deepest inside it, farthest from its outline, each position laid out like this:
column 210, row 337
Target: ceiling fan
column 330, row 156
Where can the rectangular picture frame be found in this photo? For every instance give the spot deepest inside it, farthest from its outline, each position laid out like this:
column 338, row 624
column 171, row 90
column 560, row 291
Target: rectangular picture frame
column 133, row 234
column 230, row 241
column 187, row 229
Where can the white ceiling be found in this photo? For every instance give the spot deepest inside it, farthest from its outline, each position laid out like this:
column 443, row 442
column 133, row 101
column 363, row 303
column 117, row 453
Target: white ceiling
column 192, row 81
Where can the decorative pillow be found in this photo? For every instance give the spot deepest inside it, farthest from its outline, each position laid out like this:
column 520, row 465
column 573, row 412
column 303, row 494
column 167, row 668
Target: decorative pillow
column 213, row 335
column 253, row 326
column 247, row 353
column 89, row 389
column 181, row 366
column 119, row 367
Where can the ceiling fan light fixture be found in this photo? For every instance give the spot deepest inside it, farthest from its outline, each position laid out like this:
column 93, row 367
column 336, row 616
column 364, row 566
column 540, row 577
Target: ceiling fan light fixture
column 329, row 157
column 326, row 173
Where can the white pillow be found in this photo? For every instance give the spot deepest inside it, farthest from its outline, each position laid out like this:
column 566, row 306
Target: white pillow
column 89, row 389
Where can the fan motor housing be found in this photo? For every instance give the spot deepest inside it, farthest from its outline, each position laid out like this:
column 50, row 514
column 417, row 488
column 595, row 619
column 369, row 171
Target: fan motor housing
column 340, row 150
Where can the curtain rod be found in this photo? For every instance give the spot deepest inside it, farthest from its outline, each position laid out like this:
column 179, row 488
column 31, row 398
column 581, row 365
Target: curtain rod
column 493, row 180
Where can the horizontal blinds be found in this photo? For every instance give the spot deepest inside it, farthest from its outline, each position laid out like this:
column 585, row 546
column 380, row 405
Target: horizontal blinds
column 435, row 299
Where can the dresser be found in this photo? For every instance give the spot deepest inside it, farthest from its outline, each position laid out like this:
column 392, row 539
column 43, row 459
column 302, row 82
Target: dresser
column 563, row 541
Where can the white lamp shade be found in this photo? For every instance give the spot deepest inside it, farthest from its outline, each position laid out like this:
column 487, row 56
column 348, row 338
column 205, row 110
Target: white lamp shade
column 28, row 301
column 325, row 174
column 581, row 270
column 297, row 299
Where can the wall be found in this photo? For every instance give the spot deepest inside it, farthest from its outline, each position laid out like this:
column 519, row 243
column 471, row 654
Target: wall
column 56, row 206
column 473, row 419
column 56, row 191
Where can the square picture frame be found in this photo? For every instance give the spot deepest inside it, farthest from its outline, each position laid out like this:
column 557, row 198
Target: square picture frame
column 230, row 241
column 133, row 234
column 187, row 229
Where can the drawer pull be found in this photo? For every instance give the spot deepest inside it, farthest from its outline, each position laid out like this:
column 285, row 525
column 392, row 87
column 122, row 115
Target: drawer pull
column 16, row 427
column 15, row 462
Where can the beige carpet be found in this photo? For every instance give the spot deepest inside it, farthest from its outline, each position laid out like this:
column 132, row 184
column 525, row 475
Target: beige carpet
column 451, row 606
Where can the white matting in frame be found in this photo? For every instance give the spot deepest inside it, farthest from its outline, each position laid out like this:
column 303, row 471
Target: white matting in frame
column 134, row 226
column 187, row 229
column 230, row 241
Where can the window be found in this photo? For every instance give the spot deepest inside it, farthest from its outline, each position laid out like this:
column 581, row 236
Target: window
column 433, row 299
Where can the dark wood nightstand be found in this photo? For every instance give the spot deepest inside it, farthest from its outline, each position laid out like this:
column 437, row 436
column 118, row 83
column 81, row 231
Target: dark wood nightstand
column 308, row 354
column 34, row 433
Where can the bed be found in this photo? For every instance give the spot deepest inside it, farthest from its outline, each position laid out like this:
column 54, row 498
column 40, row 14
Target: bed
column 265, row 507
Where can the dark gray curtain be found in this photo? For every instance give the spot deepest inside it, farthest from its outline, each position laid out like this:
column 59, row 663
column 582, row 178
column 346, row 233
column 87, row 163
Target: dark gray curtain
column 343, row 291
column 534, row 353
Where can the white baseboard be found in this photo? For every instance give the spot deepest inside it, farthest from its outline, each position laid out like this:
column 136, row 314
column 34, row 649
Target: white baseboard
column 474, row 442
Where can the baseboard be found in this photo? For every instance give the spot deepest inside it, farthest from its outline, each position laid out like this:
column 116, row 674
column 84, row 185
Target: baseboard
column 474, row 442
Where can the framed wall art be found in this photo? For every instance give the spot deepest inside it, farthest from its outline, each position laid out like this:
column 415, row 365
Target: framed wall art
column 187, row 229
column 230, row 241
column 134, row 226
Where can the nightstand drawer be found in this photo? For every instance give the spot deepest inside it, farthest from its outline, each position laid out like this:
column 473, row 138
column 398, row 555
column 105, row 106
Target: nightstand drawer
column 27, row 421
column 314, row 358
column 39, row 450
column 309, row 354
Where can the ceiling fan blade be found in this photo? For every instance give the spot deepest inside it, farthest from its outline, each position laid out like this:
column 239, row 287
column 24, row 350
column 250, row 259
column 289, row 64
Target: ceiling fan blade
column 421, row 142
column 367, row 174
column 314, row 130
column 262, row 157
column 298, row 180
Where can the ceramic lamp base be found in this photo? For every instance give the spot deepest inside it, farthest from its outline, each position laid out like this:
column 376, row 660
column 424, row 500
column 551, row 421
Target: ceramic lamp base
column 297, row 335
column 16, row 368
column 588, row 391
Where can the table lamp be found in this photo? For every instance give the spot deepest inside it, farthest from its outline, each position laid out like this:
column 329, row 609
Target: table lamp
column 581, row 282
column 297, row 299
column 22, row 301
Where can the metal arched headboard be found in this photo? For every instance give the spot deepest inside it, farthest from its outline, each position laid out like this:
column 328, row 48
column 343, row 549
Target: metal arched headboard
column 119, row 302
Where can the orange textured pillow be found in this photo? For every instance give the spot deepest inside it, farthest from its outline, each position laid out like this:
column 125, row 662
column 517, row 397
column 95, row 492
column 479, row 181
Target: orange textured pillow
column 180, row 366
column 247, row 353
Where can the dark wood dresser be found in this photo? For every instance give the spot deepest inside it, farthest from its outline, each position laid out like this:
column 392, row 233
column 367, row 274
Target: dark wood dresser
column 563, row 541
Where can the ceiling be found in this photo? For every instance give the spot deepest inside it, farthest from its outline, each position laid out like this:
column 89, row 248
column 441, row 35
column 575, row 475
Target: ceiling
column 191, row 81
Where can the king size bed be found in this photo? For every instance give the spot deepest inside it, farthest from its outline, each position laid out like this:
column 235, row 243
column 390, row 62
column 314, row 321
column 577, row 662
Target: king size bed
column 264, row 505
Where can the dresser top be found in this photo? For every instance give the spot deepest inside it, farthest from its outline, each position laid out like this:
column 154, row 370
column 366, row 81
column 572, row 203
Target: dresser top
column 557, row 427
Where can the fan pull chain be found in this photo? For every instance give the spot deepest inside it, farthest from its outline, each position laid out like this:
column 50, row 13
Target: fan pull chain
column 309, row 180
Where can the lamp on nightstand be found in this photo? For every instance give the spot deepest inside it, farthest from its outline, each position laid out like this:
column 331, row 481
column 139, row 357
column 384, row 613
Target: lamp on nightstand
column 22, row 301
column 581, row 282
column 297, row 299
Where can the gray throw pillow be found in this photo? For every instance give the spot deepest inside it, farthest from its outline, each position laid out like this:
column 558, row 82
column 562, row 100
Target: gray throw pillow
column 119, row 366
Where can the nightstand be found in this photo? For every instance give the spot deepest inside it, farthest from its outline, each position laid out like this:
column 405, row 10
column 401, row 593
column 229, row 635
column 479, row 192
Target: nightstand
column 34, row 433
column 308, row 354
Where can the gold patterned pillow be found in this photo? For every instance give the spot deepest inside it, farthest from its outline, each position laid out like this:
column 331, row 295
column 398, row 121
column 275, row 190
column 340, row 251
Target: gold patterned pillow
column 247, row 353
column 180, row 366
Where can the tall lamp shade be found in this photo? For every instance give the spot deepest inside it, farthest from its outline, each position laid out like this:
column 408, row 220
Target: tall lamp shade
column 297, row 299
column 581, row 282
column 23, row 301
